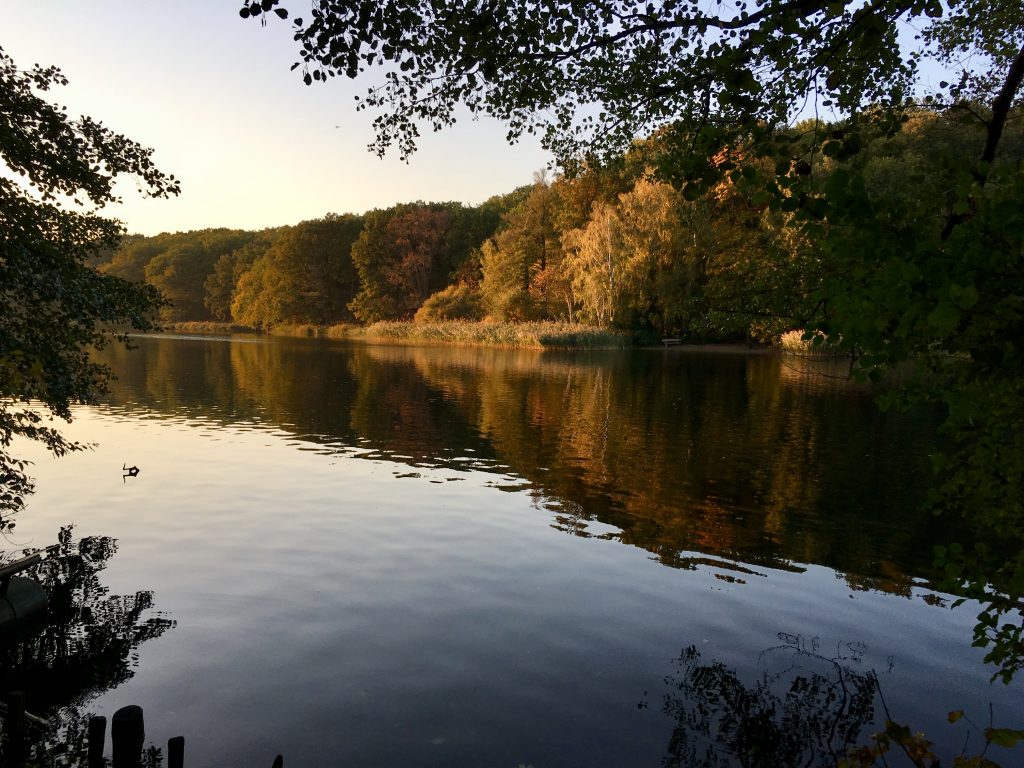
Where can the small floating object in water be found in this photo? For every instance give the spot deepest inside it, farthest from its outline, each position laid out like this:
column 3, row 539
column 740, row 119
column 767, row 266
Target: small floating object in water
column 129, row 471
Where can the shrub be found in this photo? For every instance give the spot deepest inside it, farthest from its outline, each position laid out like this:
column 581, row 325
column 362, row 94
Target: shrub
column 456, row 302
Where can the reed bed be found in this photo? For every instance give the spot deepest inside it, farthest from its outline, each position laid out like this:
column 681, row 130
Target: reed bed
column 206, row 326
column 537, row 335
column 534, row 335
column 299, row 330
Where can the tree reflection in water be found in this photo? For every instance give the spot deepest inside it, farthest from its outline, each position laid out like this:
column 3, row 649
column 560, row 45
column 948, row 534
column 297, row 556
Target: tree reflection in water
column 805, row 708
column 87, row 646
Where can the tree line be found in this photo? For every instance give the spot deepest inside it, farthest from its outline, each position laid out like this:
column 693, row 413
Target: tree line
column 611, row 245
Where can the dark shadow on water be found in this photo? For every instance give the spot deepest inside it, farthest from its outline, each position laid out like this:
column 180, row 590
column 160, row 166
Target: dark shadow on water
column 87, row 646
column 806, row 707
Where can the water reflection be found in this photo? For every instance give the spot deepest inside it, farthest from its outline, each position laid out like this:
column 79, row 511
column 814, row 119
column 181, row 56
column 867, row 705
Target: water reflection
column 87, row 645
column 740, row 458
column 805, row 707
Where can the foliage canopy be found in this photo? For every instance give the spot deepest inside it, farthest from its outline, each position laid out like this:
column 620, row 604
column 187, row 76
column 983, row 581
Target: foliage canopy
column 595, row 74
column 56, row 173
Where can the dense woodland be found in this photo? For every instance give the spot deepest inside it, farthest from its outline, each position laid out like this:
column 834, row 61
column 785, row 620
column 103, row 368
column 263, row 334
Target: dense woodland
column 610, row 245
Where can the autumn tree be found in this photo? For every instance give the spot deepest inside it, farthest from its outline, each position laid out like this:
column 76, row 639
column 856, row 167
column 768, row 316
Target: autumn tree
column 656, row 281
column 299, row 274
column 228, row 269
column 596, row 261
column 524, row 246
column 405, row 253
column 253, row 301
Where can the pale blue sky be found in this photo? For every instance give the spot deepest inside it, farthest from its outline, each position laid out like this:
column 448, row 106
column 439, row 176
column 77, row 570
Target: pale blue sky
column 252, row 145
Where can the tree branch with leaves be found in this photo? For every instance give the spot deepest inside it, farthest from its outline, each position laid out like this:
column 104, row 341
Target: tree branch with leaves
column 58, row 173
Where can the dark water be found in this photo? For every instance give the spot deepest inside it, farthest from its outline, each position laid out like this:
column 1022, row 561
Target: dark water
column 362, row 556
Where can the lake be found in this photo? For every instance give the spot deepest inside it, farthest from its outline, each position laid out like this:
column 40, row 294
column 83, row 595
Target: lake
column 361, row 555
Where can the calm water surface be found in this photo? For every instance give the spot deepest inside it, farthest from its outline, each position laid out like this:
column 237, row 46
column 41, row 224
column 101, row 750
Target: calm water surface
column 370, row 556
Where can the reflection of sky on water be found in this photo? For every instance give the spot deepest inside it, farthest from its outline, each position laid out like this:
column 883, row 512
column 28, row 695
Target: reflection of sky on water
column 406, row 621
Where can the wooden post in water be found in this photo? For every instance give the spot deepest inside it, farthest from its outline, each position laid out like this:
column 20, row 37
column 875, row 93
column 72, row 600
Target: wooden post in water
column 127, row 732
column 97, row 736
column 176, row 752
column 14, row 729
column 278, row 762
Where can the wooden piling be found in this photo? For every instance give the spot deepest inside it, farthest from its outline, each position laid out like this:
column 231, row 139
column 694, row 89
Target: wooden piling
column 127, row 732
column 14, row 729
column 97, row 736
column 176, row 752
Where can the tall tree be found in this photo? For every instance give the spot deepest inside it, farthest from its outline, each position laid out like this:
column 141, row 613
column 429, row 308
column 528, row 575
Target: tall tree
column 54, row 308
column 220, row 285
column 522, row 248
column 401, row 257
column 595, row 258
column 254, row 302
column 310, row 270
column 653, row 275
column 179, row 273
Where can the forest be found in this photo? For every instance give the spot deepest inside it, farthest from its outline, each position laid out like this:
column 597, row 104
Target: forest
column 609, row 245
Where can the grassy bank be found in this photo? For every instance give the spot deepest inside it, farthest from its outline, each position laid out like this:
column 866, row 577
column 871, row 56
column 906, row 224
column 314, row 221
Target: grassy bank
column 535, row 335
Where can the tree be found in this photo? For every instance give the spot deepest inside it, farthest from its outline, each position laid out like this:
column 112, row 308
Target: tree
column 308, row 272
column 400, row 256
column 596, row 260
column 522, row 248
column 227, row 271
column 942, row 291
column 179, row 273
column 254, row 302
column 53, row 306
column 652, row 235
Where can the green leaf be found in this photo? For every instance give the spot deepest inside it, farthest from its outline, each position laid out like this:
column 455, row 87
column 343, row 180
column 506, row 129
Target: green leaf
column 1004, row 737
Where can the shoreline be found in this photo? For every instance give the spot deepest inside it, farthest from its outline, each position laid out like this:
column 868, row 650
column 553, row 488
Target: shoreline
column 721, row 348
column 462, row 334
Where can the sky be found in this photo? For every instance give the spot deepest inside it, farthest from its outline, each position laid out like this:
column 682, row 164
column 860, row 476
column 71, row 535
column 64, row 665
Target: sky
column 252, row 146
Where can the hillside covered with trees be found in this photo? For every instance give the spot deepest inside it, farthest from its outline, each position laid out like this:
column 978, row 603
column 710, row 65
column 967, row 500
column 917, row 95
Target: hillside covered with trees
column 610, row 246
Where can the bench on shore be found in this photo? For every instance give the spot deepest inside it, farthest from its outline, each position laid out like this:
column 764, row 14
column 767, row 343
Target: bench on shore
column 671, row 342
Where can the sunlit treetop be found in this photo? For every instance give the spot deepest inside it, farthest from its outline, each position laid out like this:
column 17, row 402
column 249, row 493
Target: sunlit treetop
column 593, row 76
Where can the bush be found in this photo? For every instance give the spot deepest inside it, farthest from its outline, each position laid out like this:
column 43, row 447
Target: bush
column 456, row 302
column 794, row 343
